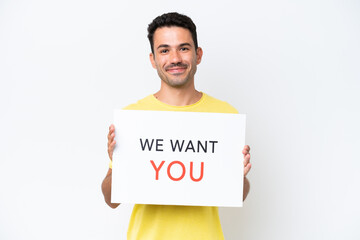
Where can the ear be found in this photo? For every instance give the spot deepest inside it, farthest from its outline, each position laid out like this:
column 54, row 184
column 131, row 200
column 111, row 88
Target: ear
column 199, row 53
column 152, row 60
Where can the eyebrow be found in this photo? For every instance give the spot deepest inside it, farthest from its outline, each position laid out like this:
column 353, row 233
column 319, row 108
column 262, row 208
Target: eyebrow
column 185, row 44
column 166, row 45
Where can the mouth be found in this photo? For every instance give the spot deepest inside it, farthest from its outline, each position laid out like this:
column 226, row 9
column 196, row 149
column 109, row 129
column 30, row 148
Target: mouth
column 176, row 70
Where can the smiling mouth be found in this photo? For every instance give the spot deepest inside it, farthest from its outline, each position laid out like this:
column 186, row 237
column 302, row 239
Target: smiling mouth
column 176, row 70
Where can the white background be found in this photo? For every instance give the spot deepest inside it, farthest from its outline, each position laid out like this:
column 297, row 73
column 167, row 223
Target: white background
column 291, row 66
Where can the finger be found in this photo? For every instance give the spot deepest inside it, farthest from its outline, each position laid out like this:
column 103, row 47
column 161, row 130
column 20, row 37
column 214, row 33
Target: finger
column 111, row 128
column 111, row 149
column 111, row 133
column 111, row 139
column 246, row 159
column 246, row 149
column 112, row 136
column 247, row 169
column 112, row 145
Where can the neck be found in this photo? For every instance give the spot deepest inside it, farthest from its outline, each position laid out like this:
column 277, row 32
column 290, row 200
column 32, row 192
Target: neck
column 178, row 96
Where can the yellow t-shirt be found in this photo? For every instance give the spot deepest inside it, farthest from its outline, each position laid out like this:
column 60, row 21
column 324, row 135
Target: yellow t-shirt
column 167, row 222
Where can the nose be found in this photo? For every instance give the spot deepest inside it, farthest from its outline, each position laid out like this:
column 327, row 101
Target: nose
column 175, row 57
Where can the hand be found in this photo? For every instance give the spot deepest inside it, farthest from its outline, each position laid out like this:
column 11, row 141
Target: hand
column 111, row 141
column 247, row 164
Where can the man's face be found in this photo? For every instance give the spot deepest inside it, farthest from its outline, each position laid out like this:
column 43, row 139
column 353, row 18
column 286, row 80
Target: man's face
column 175, row 57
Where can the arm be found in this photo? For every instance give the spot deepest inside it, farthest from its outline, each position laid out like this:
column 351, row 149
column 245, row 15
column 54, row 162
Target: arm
column 106, row 184
column 247, row 167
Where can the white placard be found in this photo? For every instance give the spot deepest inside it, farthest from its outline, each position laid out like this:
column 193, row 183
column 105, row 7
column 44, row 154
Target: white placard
column 178, row 158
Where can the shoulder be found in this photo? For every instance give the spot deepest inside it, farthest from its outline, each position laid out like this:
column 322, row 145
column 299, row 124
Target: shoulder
column 142, row 104
column 219, row 105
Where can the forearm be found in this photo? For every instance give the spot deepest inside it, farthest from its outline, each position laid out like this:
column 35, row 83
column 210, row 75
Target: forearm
column 106, row 189
column 246, row 188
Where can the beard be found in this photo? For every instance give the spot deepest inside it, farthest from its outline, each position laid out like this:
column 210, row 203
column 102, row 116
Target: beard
column 177, row 80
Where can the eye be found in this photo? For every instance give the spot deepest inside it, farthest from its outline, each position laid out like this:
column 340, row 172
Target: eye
column 183, row 49
column 164, row 51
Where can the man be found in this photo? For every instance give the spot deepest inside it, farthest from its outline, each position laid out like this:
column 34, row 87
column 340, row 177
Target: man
column 175, row 55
